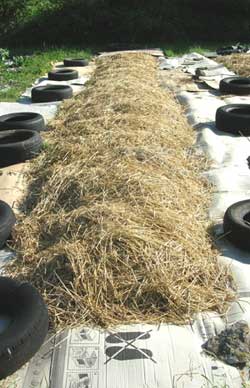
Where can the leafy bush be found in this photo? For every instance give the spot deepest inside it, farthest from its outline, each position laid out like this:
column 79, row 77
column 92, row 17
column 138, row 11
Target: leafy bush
column 11, row 12
column 98, row 21
column 7, row 60
column 18, row 61
column 4, row 54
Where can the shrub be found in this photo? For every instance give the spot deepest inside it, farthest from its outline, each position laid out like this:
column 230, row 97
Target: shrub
column 10, row 12
column 98, row 21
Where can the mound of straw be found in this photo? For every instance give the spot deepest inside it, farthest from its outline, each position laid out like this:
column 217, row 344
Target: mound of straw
column 239, row 63
column 114, row 224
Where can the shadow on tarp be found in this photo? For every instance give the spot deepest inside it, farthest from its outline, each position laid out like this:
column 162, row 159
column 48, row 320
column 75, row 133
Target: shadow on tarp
column 225, row 247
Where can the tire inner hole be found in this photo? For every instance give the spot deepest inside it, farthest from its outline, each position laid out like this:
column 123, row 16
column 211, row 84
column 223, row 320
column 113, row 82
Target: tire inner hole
column 246, row 219
column 241, row 81
column 63, row 71
column 23, row 117
column 55, row 87
column 241, row 111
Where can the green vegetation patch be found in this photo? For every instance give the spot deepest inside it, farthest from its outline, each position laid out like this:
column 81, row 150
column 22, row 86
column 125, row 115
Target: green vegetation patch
column 17, row 72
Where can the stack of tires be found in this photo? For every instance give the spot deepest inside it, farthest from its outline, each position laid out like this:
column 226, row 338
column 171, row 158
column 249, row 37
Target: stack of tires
column 235, row 119
column 20, row 139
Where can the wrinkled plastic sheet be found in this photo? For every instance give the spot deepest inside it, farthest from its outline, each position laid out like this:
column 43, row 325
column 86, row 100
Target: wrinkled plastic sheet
column 211, row 71
column 230, row 176
column 187, row 61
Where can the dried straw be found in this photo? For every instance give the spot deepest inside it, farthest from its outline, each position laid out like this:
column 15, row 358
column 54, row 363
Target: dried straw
column 239, row 63
column 114, row 224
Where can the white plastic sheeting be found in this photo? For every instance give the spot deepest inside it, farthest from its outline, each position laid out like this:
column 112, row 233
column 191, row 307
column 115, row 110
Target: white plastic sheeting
column 210, row 71
column 188, row 62
column 164, row 356
column 134, row 356
column 231, row 176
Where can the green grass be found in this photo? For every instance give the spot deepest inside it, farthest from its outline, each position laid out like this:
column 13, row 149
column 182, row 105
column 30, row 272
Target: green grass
column 34, row 66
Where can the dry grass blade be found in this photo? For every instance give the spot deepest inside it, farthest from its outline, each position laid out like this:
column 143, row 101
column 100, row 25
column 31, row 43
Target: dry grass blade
column 114, row 226
column 239, row 63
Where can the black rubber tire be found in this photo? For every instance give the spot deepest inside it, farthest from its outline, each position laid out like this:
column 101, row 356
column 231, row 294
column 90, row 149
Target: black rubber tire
column 234, row 49
column 28, row 328
column 63, row 75
column 19, row 145
column 75, row 62
column 235, row 85
column 22, row 120
column 234, row 118
column 235, row 224
column 7, row 221
column 50, row 93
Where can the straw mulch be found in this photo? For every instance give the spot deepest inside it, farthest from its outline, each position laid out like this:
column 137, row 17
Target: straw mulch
column 239, row 63
column 114, row 225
